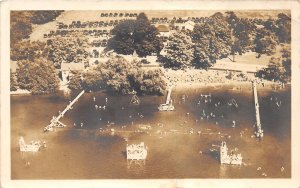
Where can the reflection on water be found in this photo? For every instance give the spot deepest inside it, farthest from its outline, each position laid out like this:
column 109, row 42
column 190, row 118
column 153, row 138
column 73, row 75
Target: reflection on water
column 84, row 152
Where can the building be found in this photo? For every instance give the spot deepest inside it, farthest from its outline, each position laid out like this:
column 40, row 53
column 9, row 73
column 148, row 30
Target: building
column 164, row 30
column 189, row 25
column 66, row 68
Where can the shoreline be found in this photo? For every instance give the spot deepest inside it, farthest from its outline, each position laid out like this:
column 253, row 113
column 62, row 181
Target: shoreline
column 179, row 86
column 20, row 92
column 199, row 79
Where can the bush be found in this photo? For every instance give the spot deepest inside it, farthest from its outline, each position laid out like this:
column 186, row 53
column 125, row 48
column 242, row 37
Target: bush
column 75, row 82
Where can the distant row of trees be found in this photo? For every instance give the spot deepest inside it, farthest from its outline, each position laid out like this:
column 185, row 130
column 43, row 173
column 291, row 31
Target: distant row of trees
column 21, row 23
column 217, row 37
column 57, row 50
column 117, row 76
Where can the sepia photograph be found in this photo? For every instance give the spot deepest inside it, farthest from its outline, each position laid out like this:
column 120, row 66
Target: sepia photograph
column 135, row 94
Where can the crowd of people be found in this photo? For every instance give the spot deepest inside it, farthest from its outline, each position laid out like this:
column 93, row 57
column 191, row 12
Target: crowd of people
column 206, row 77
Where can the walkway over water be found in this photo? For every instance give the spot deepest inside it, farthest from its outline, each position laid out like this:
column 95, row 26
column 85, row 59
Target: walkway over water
column 55, row 120
column 259, row 132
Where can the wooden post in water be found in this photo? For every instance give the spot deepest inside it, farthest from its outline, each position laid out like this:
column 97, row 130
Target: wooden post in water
column 258, row 132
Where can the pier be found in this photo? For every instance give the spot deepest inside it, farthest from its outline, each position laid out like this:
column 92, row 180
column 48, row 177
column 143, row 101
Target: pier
column 258, row 132
column 55, row 120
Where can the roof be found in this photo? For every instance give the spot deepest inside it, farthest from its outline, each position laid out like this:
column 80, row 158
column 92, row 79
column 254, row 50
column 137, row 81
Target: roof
column 163, row 28
column 72, row 66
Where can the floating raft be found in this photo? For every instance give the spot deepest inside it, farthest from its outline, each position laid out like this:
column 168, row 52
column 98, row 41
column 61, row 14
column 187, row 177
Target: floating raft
column 232, row 159
column 136, row 151
column 33, row 147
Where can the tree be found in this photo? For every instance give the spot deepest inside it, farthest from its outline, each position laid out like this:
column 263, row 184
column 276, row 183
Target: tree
column 26, row 50
column 270, row 25
column 178, row 52
column 135, row 35
column 151, row 83
column 212, row 41
column 13, row 83
column 283, row 31
column 118, row 76
column 231, row 18
column 122, row 42
column 286, row 62
column 274, row 72
column 38, row 76
column 92, row 80
column 279, row 69
column 21, row 23
column 71, row 50
column 75, row 82
column 44, row 16
column 122, row 77
column 242, row 32
column 19, row 31
column 265, row 42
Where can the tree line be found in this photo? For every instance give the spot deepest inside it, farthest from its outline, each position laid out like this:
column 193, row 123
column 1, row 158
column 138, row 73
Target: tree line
column 119, row 76
column 21, row 23
column 217, row 37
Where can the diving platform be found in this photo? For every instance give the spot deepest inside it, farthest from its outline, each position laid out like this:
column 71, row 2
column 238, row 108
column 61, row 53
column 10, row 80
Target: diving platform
column 231, row 159
column 136, row 153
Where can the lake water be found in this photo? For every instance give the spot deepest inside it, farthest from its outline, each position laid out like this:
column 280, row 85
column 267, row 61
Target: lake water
column 86, row 153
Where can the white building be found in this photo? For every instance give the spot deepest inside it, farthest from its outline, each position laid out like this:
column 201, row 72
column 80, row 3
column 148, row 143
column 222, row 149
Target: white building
column 189, row 25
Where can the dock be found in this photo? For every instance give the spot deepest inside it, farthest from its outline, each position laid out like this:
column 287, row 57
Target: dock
column 258, row 132
column 55, row 120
